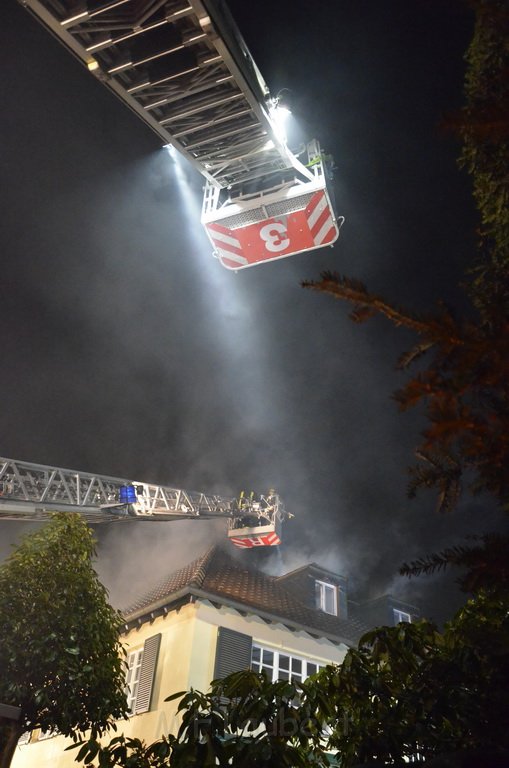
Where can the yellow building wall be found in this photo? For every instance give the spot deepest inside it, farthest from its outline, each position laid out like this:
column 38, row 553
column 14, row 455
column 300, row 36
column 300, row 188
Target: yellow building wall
column 186, row 659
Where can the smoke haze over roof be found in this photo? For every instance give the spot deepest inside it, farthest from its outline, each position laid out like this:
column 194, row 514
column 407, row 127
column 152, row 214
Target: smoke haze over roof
column 129, row 351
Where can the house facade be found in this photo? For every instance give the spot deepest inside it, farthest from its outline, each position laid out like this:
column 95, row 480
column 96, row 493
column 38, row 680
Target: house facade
column 213, row 617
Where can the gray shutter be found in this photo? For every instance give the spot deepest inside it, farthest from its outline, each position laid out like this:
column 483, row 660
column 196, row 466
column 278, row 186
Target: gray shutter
column 233, row 652
column 148, row 668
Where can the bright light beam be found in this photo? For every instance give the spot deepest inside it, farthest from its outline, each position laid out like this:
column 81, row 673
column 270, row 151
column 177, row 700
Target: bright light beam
column 279, row 116
column 229, row 299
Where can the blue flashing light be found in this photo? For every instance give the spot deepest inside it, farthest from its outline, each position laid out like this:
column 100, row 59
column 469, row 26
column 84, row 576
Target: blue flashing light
column 127, row 494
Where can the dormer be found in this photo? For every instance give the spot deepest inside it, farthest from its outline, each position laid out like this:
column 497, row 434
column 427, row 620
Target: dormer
column 385, row 611
column 318, row 588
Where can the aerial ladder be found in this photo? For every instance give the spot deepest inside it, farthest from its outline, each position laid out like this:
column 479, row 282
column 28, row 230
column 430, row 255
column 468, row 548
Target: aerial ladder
column 32, row 492
column 183, row 67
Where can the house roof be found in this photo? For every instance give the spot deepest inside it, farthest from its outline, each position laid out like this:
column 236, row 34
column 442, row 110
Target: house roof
column 219, row 577
column 313, row 568
column 390, row 601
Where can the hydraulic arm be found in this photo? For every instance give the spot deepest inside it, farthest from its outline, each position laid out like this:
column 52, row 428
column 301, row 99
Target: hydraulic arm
column 32, row 492
column 184, row 68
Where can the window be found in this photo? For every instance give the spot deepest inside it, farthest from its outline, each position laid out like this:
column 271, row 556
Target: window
column 401, row 616
column 24, row 738
column 326, row 597
column 141, row 666
column 132, row 680
column 279, row 665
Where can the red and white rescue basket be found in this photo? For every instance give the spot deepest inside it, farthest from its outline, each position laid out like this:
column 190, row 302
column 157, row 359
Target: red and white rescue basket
column 272, row 227
column 256, row 536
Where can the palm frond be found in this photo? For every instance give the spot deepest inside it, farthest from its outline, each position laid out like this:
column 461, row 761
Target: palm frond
column 486, row 563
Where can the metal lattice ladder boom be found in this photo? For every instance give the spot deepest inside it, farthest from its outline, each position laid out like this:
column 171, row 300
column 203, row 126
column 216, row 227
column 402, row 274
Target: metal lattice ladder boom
column 32, row 492
column 184, row 68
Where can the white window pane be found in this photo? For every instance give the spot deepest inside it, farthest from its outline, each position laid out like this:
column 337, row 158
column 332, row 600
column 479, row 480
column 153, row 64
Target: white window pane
column 330, row 600
column 282, row 666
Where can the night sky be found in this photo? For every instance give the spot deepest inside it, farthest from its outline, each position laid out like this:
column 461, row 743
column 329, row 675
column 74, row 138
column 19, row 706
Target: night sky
column 128, row 350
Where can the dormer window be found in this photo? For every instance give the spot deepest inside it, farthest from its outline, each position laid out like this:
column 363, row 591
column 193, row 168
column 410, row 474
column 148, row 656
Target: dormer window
column 326, row 597
column 400, row 616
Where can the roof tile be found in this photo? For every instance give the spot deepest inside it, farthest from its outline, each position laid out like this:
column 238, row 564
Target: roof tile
column 219, row 575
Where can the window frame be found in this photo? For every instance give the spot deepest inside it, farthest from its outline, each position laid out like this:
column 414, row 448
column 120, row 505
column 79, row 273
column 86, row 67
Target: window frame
column 398, row 615
column 322, row 587
column 131, row 686
column 276, row 667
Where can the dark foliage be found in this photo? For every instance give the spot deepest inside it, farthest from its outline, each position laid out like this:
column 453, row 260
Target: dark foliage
column 465, row 385
column 60, row 653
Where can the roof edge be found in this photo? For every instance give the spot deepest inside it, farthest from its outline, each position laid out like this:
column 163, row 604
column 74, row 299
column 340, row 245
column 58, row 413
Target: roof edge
column 241, row 607
column 310, row 567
